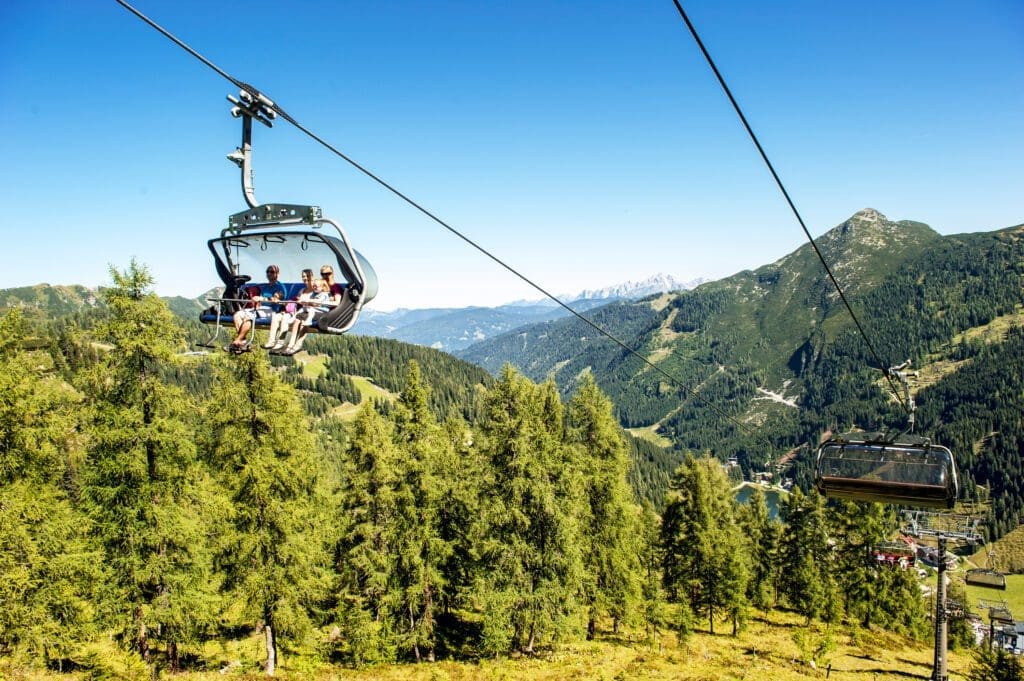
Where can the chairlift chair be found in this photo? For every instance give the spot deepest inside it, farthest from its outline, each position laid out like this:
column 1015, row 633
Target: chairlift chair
column 292, row 237
column 905, row 469
column 986, row 577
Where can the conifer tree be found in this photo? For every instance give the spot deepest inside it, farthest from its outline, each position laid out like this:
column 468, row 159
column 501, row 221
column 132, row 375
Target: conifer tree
column 808, row 581
column 761, row 533
column 528, row 588
column 653, row 595
column 462, row 471
column 857, row 529
column 142, row 481
column 418, row 548
column 49, row 571
column 705, row 555
column 610, row 527
column 368, row 512
column 276, row 560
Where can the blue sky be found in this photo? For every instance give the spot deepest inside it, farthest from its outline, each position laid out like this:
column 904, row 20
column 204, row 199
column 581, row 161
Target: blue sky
column 585, row 143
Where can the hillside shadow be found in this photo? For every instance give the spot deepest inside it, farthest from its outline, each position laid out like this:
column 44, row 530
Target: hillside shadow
column 914, row 663
column 888, row 672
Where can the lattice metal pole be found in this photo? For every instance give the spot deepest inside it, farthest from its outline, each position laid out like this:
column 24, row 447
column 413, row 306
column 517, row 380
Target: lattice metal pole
column 943, row 527
column 941, row 616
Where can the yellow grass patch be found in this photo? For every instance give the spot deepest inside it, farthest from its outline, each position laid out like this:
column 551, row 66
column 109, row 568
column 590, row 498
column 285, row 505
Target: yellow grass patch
column 765, row 650
column 650, row 434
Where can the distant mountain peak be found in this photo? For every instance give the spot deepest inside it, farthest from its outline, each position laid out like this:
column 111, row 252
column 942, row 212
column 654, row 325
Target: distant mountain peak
column 658, row 283
column 869, row 215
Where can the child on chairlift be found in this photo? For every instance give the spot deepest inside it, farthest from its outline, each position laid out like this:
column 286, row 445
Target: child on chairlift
column 311, row 306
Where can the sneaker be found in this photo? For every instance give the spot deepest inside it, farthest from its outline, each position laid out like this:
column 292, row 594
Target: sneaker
column 269, row 344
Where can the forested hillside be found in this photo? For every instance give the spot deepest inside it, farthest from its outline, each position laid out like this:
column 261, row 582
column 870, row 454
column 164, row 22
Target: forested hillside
column 769, row 360
column 156, row 508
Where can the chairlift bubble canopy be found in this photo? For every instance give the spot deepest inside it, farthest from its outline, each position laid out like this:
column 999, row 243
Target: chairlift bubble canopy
column 905, row 470
column 294, row 238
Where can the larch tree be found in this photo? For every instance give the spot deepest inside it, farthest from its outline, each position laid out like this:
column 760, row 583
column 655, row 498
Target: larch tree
column 807, row 559
column 365, row 563
column 761, row 533
column 857, row 529
column 610, row 523
column 528, row 587
column 142, row 482
column 705, row 554
column 276, row 562
column 49, row 570
column 419, row 549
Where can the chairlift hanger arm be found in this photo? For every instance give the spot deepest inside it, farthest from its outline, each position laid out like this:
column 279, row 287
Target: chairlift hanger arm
column 901, row 375
column 250, row 105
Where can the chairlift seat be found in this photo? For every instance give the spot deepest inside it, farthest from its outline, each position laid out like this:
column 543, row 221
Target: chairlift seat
column 905, row 470
column 986, row 578
column 293, row 238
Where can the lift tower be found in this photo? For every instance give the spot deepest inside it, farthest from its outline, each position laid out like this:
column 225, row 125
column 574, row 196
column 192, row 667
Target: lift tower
column 944, row 528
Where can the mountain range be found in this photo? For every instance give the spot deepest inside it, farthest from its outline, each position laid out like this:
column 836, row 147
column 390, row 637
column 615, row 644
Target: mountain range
column 760, row 365
column 454, row 329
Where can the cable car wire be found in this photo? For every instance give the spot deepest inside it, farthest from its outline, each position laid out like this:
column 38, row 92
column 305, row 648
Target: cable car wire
column 284, row 115
column 778, row 181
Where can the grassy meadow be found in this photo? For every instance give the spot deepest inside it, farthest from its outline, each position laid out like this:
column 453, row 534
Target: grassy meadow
column 767, row 649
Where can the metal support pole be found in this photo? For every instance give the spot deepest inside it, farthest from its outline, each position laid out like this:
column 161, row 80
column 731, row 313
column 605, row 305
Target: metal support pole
column 939, row 673
column 247, row 175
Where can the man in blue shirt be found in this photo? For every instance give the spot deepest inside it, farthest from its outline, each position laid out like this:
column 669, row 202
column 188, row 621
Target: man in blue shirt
column 272, row 291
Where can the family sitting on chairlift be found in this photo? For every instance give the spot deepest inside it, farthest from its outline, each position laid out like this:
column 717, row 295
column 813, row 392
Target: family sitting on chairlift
column 290, row 319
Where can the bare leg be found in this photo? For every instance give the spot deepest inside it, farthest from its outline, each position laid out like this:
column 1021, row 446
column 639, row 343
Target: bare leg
column 276, row 320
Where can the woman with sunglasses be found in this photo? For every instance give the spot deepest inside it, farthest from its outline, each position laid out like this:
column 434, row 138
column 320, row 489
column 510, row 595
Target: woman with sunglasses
column 334, row 292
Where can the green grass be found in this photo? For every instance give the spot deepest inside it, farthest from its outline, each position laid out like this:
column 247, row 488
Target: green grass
column 314, row 366
column 648, row 433
column 367, row 390
column 1009, row 553
column 765, row 650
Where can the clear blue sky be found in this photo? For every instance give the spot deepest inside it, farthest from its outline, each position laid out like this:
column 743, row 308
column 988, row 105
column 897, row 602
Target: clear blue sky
column 586, row 143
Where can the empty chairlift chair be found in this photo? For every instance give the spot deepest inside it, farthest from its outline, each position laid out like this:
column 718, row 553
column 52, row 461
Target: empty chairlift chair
column 988, row 577
column 905, row 470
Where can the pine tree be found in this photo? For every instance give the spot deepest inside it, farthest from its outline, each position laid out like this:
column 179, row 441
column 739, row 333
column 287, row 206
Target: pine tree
column 142, row 481
column 611, row 520
column 276, row 559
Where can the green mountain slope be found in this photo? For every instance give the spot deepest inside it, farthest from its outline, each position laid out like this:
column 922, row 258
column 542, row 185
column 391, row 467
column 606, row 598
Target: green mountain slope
column 723, row 339
column 769, row 359
column 42, row 301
